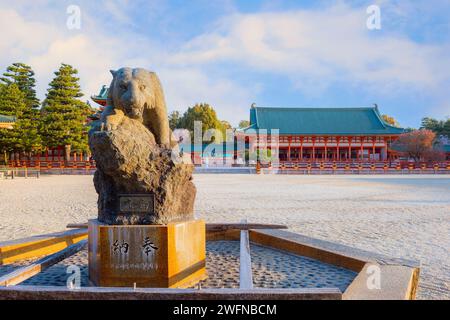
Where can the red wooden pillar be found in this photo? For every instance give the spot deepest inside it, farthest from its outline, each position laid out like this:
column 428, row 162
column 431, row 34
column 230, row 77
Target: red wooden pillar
column 314, row 148
column 349, row 157
column 338, row 156
column 361, row 139
column 386, row 148
column 301, row 148
column 289, row 148
column 326, row 148
column 373, row 147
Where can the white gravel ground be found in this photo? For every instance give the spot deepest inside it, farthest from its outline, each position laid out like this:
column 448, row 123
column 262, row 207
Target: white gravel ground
column 401, row 216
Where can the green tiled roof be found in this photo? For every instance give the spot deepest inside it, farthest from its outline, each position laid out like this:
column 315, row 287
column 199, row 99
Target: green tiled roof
column 7, row 119
column 325, row 121
column 103, row 94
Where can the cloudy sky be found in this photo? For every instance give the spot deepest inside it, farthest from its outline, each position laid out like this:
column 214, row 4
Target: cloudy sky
column 229, row 53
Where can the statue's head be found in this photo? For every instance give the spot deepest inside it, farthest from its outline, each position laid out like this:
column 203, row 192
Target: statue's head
column 134, row 90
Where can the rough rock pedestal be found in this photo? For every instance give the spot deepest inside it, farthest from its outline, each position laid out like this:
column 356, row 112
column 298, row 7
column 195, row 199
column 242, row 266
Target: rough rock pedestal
column 137, row 180
column 146, row 234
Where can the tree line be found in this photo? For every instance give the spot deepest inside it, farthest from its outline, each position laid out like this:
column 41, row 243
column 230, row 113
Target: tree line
column 207, row 115
column 59, row 120
column 440, row 127
column 427, row 142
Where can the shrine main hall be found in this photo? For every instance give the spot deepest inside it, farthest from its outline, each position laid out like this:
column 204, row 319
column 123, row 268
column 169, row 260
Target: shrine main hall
column 322, row 134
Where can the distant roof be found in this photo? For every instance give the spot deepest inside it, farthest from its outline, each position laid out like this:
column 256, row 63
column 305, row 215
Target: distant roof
column 7, row 119
column 447, row 148
column 102, row 96
column 325, row 121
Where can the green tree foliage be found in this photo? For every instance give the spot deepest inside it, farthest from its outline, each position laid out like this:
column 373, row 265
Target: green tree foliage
column 390, row 120
column 262, row 155
column 63, row 114
column 431, row 124
column 439, row 127
column 174, row 120
column 446, row 128
column 28, row 129
column 244, row 124
column 207, row 115
column 23, row 76
column 12, row 100
column 226, row 124
column 12, row 103
column 27, row 124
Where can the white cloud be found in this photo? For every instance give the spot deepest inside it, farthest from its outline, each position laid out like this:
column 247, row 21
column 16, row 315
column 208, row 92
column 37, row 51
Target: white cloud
column 187, row 86
column 44, row 45
column 325, row 47
column 314, row 49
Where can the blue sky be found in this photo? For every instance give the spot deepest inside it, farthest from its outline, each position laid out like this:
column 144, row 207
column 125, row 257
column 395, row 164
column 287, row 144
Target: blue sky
column 232, row 53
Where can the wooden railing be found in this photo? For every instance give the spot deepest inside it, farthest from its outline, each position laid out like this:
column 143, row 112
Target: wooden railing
column 57, row 167
column 379, row 167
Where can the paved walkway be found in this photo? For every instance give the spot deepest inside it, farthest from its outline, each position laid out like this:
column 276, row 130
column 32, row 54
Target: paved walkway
column 271, row 269
column 400, row 216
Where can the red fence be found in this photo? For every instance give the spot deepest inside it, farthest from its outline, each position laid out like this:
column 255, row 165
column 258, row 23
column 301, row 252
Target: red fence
column 292, row 167
column 358, row 168
column 57, row 167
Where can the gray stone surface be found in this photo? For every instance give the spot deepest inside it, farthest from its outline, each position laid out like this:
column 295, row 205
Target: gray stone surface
column 58, row 274
column 397, row 216
column 133, row 154
column 271, row 269
column 395, row 282
column 5, row 269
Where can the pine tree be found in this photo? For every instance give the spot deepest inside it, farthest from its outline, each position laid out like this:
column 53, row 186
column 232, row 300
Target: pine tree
column 174, row 120
column 63, row 118
column 22, row 76
column 12, row 103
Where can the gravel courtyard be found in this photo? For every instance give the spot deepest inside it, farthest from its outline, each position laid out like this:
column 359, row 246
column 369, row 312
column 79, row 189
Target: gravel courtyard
column 401, row 216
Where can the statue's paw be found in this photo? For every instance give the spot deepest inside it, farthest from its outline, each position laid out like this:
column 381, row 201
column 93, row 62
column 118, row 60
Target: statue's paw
column 110, row 127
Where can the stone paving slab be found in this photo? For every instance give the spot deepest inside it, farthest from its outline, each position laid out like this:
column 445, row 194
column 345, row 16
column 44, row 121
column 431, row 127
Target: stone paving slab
column 271, row 269
column 5, row 269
